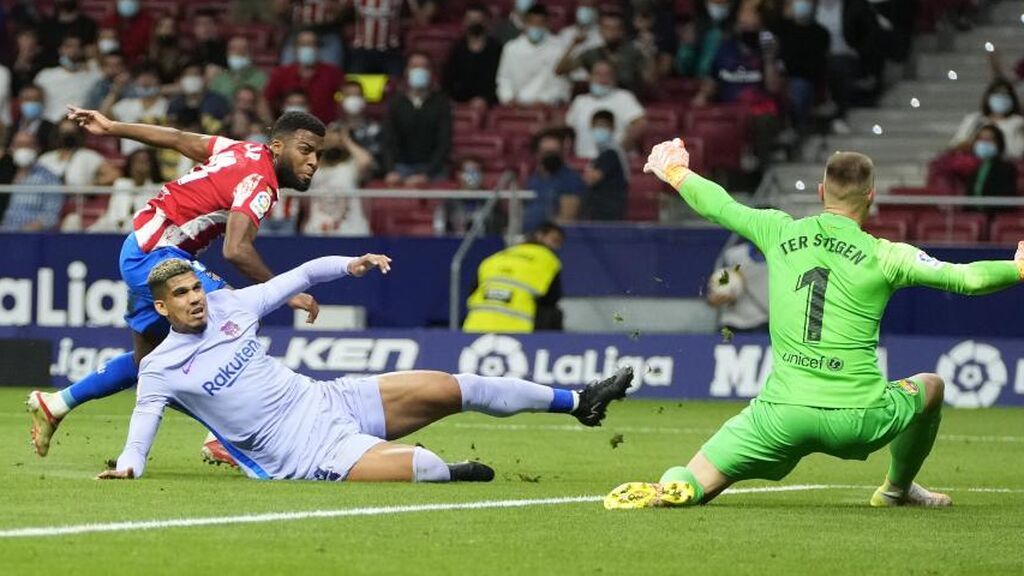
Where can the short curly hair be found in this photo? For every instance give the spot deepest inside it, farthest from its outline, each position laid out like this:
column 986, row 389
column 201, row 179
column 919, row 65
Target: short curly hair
column 164, row 271
column 291, row 122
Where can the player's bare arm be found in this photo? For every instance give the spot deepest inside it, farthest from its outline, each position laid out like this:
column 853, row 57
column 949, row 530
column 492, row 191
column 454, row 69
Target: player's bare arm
column 194, row 146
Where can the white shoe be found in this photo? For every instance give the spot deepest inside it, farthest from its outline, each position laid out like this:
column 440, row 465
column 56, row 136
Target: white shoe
column 916, row 495
column 44, row 423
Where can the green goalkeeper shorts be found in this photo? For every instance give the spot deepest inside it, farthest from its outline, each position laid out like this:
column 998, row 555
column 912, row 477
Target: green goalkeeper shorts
column 767, row 440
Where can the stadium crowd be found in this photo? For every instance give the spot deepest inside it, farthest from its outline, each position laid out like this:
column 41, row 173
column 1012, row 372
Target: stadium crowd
column 567, row 94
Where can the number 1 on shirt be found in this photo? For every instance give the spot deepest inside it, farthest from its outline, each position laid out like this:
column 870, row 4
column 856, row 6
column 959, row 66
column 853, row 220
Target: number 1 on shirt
column 817, row 279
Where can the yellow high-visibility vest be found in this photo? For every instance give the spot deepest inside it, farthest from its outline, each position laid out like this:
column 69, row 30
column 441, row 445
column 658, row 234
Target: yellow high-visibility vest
column 509, row 283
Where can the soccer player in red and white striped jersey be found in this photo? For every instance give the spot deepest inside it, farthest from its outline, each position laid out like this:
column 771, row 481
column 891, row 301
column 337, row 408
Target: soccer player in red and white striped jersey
column 229, row 193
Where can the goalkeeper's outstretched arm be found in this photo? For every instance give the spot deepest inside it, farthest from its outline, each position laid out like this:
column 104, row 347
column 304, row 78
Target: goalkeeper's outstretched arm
column 670, row 162
column 906, row 265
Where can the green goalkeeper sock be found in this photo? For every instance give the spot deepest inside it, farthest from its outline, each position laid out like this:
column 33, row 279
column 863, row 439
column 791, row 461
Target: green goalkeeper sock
column 683, row 474
column 910, row 449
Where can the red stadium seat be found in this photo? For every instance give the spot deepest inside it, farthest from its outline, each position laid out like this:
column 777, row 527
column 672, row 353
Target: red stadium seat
column 664, row 117
column 644, row 201
column 489, row 148
column 723, row 130
column 516, row 119
column 896, row 229
column 1007, row 229
column 966, row 228
column 466, row 119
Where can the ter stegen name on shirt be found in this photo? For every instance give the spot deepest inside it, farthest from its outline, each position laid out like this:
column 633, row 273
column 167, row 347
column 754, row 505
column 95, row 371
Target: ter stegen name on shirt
column 844, row 249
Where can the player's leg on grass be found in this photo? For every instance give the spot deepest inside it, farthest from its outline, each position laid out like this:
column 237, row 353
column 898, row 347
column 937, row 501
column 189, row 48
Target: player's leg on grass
column 910, row 449
column 698, row 482
column 393, row 462
column 415, row 399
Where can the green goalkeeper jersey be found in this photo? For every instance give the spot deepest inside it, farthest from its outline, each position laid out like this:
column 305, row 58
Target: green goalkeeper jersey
column 828, row 285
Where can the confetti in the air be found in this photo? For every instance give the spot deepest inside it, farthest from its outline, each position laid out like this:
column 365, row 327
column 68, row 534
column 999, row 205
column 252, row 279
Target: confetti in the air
column 915, row 103
column 799, row 185
column 877, row 130
column 951, row 75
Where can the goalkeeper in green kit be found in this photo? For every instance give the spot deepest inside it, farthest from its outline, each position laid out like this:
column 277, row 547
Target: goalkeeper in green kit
column 829, row 283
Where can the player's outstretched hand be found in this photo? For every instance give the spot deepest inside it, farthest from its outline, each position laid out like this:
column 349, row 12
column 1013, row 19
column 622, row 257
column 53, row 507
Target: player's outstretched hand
column 360, row 266
column 90, row 120
column 128, row 474
column 669, row 161
column 305, row 302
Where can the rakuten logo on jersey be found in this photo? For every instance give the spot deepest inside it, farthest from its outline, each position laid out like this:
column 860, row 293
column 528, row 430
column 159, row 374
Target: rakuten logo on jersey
column 98, row 303
column 498, row 355
column 351, row 355
column 227, row 374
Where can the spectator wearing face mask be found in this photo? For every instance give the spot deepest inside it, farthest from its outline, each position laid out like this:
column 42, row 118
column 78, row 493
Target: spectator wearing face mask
column 700, row 39
column 146, row 105
column 74, row 164
column 632, row 69
column 251, row 103
column 655, row 35
column 211, row 107
column 526, row 72
column 28, row 59
column 994, row 175
column 240, row 70
column 319, row 80
column 116, row 81
column 459, row 214
column 67, row 20
column 559, row 188
column 509, row 28
column 134, row 25
column 605, row 175
column 30, row 211
column 470, row 74
column 364, row 131
column 581, row 35
column 626, row 111
column 31, row 103
column 343, row 166
column 107, row 42
column 803, row 50
column 295, row 101
column 165, row 52
column 207, row 46
column 999, row 106
column 418, row 128
column 68, row 83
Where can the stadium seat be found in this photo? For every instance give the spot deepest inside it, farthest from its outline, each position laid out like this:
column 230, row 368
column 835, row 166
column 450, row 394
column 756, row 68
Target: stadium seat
column 723, row 130
column 489, row 148
column 515, row 119
column 963, row 228
column 1007, row 229
column 466, row 119
column 895, row 229
column 664, row 118
column 644, row 201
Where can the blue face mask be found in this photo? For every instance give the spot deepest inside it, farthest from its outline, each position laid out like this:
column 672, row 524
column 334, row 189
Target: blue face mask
column 1000, row 103
column 585, row 16
column 127, row 8
column 985, row 150
column 602, row 136
column 599, row 90
column 718, row 12
column 523, row 5
column 306, row 55
column 147, row 91
column 31, row 110
column 536, row 34
column 419, row 78
column 802, row 10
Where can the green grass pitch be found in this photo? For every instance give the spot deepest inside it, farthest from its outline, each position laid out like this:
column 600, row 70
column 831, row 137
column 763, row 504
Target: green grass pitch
column 829, row 529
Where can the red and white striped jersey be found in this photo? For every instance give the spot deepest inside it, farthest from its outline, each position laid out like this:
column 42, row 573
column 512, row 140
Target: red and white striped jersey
column 192, row 211
column 378, row 24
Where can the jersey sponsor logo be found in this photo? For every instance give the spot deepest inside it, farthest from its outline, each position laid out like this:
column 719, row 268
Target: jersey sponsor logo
column 821, row 362
column 261, row 204
column 975, row 374
column 499, row 355
column 926, row 260
column 227, row 374
column 244, row 189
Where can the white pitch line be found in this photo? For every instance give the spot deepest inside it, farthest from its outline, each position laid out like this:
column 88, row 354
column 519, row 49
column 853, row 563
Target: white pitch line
column 44, row 531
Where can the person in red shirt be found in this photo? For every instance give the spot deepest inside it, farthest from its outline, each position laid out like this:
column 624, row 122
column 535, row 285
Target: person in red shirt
column 229, row 193
column 134, row 27
column 320, row 81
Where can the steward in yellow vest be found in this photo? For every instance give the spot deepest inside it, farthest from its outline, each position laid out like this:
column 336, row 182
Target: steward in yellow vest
column 518, row 288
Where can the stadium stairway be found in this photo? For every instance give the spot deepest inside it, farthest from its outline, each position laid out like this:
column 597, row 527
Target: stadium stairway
column 903, row 134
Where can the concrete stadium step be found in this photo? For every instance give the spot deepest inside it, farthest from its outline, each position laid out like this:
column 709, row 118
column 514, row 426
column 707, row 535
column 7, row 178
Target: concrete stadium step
column 894, row 148
column 969, row 67
column 905, row 121
column 947, row 93
column 887, row 174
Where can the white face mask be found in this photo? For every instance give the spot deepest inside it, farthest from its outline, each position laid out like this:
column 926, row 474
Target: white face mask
column 353, row 105
column 23, row 157
column 238, row 62
column 295, row 108
column 191, row 84
column 107, row 45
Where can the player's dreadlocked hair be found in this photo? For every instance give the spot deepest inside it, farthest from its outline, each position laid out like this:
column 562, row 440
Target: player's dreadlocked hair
column 164, row 271
column 291, row 122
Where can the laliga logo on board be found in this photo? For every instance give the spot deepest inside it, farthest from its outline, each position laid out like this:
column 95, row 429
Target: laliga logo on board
column 974, row 373
column 498, row 355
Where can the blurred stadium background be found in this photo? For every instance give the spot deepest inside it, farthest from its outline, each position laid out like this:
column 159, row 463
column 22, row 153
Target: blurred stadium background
column 762, row 92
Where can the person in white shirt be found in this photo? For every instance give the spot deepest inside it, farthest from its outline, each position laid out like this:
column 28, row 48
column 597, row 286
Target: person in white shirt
column 342, row 167
column 999, row 106
column 605, row 95
column 278, row 424
column 526, row 72
column 5, row 95
column 69, row 83
column 147, row 106
column 581, row 36
column 74, row 164
column 143, row 173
